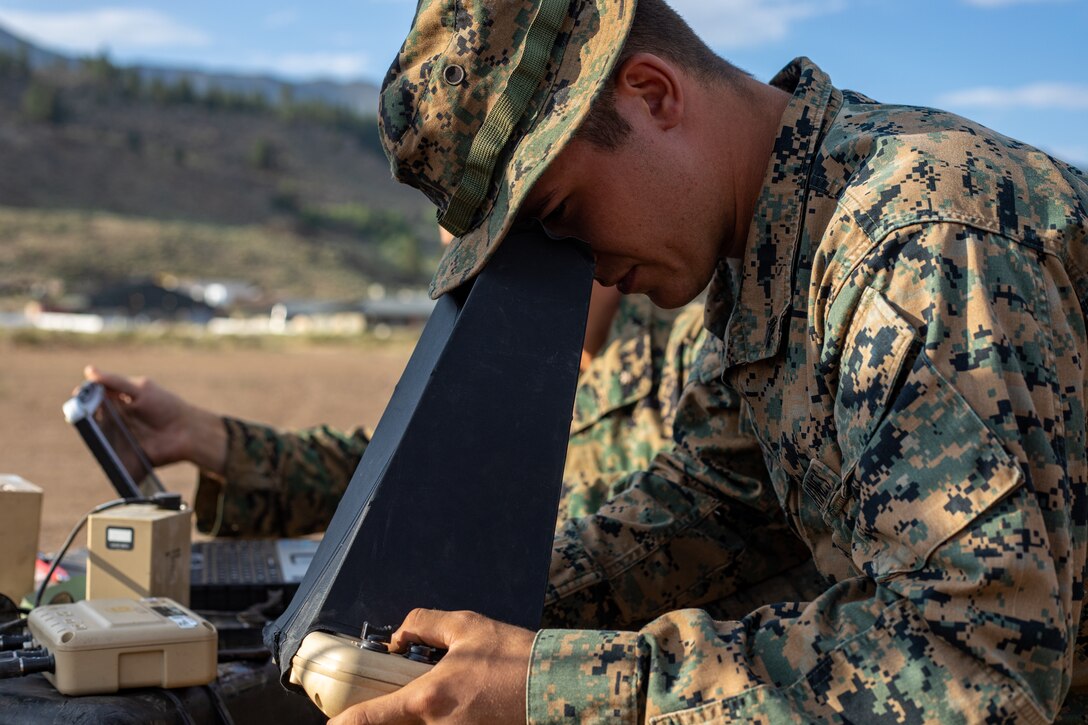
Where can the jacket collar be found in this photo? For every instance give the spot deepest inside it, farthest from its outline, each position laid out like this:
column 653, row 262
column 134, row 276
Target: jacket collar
column 750, row 320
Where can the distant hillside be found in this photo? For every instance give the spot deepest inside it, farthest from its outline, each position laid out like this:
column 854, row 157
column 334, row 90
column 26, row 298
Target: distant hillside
column 358, row 96
column 36, row 57
column 84, row 139
column 71, row 140
column 82, row 250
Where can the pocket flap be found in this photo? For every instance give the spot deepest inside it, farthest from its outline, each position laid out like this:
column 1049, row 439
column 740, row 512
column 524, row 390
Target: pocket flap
column 876, row 348
column 931, row 468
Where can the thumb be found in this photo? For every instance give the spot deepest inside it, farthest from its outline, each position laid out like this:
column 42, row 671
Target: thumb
column 113, row 382
column 431, row 627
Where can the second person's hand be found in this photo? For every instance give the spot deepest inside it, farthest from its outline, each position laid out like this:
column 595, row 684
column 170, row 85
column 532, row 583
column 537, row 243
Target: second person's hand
column 168, row 428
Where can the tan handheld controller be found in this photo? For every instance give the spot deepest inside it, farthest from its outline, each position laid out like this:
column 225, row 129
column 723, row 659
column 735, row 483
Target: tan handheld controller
column 338, row 671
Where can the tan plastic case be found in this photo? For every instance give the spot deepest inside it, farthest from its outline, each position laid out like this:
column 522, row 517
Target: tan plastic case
column 337, row 673
column 104, row 645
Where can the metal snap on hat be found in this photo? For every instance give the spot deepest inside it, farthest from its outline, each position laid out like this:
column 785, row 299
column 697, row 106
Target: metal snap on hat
column 483, row 94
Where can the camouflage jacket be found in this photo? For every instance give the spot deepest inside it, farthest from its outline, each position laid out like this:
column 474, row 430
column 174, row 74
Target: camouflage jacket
column 907, row 332
column 626, row 400
column 289, row 483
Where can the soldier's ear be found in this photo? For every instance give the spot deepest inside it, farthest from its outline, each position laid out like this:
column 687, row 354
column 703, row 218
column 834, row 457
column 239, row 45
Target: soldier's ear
column 651, row 88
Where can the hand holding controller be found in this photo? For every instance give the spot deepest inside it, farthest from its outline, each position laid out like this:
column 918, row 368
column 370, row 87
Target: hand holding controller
column 337, row 671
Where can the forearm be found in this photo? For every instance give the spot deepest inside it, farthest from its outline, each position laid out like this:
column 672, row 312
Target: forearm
column 275, row 483
column 207, row 444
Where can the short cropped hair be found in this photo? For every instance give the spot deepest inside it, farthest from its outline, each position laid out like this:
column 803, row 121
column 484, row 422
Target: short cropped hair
column 657, row 29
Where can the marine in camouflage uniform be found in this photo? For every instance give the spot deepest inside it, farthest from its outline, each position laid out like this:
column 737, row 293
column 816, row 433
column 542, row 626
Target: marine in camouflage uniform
column 279, row 483
column 907, row 331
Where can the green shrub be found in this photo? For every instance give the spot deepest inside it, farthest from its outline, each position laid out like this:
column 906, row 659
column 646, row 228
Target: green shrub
column 42, row 103
column 264, row 155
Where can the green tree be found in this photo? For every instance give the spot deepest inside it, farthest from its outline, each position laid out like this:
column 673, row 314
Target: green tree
column 182, row 93
column 101, row 69
column 132, row 85
column 14, row 66
column 264, row 155
column 42, row 103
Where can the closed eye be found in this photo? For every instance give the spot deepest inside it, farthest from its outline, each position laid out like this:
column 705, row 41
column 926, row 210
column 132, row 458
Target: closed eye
column 556, row 215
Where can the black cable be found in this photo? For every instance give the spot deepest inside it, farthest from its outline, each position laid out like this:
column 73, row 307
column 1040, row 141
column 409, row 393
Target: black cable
column 13, row 624
column 28, row 652
column 220, row 706
column 21, row 666
column 182, row 712
column 13, row 641
column 71, row 537
column 11, row 667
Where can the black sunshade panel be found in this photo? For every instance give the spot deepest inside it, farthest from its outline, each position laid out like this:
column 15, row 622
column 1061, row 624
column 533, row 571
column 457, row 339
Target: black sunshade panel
column 454, row 502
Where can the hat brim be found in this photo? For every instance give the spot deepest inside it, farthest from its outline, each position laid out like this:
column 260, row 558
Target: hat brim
column 585, row 67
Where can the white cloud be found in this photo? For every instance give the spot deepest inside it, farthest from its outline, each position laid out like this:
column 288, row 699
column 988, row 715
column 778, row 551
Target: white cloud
column 1053, row 96
column 344, row 66
column 730, row 24
column 93, row 30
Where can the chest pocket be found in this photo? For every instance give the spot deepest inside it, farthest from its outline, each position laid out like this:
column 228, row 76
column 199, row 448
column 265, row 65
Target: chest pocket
column 921, row 464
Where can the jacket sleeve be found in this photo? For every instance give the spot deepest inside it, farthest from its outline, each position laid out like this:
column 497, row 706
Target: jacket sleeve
column 277, row 483
column 964, row 519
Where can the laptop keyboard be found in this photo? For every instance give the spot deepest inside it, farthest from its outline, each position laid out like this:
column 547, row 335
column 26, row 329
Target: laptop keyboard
column 246, row 561
column 233, row 575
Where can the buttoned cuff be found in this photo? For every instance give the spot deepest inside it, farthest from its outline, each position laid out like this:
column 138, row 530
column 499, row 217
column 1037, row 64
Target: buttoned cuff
column 206, row 502
column 215, row 494
column 584, row 675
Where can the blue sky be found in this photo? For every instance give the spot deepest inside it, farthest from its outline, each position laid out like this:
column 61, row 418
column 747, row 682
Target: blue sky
column 1017, row 66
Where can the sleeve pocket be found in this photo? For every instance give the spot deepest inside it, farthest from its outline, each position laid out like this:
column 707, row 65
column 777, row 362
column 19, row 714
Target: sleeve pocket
column 874, row 355
column 931, row 467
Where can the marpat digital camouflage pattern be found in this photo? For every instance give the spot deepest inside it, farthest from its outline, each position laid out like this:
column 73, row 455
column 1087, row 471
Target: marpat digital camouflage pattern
column 482, row 93
column 626, row 399
column 907, row 330
column 278, row 483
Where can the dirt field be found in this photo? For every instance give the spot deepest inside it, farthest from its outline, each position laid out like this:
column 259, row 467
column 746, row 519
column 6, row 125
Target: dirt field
column 343, row 385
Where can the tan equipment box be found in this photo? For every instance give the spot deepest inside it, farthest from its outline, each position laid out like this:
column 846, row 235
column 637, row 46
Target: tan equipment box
column 105, row 645
column 20, row 520
column 139, row 550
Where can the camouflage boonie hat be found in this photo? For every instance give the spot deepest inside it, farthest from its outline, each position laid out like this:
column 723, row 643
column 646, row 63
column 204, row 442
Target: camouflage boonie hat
column 483, row 94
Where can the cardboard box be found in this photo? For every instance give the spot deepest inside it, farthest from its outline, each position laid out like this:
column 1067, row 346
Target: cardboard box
column 20, row 522
column 139, row 550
